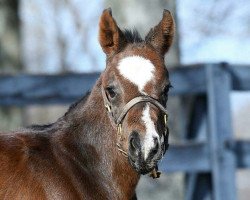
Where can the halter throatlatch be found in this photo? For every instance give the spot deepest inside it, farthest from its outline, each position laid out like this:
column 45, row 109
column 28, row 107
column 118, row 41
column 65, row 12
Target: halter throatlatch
column 118, row 122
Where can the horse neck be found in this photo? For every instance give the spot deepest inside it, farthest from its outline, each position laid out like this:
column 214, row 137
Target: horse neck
column 93, row 128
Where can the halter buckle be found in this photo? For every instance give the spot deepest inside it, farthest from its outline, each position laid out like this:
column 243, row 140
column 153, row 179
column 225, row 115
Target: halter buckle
column 165, row 119
column 108, row 107
column 119, row 130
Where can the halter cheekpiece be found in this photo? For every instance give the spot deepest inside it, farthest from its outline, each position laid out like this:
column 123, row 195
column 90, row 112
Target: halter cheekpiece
column 118, row 122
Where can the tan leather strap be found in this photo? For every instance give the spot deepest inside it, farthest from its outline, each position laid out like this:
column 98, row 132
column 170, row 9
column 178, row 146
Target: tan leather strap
column 130, row 104
column 135, row 101
column 108, row 107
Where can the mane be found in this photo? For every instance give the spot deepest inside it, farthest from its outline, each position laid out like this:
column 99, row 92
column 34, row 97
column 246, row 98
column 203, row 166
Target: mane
column 46, row 127
column 132, row 36
column 81, row 100
column 37, row 127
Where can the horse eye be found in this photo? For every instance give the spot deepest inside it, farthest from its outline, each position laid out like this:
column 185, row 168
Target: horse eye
column 111, row 92
column 166, row 89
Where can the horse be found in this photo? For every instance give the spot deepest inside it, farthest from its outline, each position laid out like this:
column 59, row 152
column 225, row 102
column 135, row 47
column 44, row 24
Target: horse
column 106, row 140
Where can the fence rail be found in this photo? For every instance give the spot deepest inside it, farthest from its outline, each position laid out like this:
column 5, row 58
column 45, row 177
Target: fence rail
column 65, row 88
column 220, row 155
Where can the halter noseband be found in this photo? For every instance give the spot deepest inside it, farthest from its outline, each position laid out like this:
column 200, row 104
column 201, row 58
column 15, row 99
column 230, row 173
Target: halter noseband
column 127, row 107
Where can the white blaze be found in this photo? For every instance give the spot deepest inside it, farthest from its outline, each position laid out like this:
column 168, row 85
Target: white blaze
column 150, row 132
column 137, row 70
column 140, row 71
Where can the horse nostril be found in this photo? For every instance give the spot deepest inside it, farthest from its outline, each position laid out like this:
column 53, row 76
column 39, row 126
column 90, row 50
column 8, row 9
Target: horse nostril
column 156, row 146
column 155, row 141
column 134, row 144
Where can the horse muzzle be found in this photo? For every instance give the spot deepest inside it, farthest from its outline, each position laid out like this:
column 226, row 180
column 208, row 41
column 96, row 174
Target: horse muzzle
column 142, row 160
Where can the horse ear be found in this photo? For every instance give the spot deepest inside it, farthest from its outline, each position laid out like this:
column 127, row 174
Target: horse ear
column 161, row 36
column 111, row 37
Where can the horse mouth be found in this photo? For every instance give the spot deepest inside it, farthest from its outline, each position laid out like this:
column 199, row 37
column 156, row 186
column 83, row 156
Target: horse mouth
column 144, row 167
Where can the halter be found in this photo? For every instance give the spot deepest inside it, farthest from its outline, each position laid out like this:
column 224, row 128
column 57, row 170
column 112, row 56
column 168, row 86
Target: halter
column 118, row 122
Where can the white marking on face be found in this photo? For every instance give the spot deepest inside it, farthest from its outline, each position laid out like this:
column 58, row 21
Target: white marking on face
column 150, row 132
column 137, row 70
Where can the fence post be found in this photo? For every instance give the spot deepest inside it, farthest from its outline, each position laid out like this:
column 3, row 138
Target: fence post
column 198, row 185
column 220, row 132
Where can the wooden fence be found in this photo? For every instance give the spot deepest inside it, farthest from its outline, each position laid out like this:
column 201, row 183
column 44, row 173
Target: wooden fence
column 210, row 164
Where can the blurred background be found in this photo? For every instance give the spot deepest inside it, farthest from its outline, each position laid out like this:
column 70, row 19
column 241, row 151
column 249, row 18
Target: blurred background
column 61, row 36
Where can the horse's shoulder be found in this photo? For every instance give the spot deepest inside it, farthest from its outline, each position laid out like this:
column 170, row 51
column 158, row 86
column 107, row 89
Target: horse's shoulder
column 18, row 148
column 22, row 141
column 15, row 176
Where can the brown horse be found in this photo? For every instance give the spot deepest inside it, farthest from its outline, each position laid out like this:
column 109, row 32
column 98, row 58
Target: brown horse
column 83, row 155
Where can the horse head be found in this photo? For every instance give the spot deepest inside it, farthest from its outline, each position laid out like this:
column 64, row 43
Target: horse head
column 135, row 88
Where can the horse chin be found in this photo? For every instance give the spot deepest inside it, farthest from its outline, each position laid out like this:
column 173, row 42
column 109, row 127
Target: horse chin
column 142, row 167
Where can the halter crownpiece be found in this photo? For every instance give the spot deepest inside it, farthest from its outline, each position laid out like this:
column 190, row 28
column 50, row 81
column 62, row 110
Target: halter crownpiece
column 118, row 122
